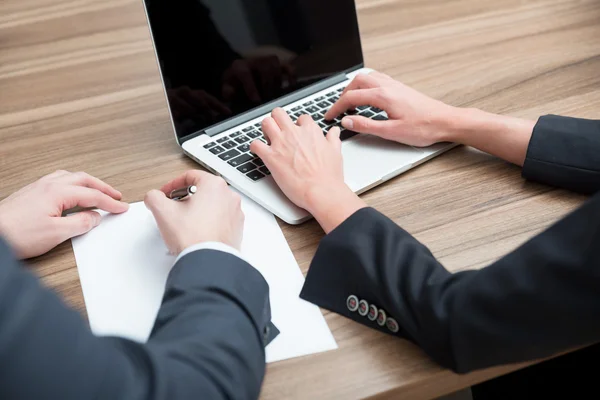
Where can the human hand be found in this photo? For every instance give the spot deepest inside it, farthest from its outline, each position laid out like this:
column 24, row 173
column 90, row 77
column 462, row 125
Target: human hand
column 213, row 214
column 258, row 78
column 31, row 219
column 188, row 103
column 414, row 119
column 308, row 167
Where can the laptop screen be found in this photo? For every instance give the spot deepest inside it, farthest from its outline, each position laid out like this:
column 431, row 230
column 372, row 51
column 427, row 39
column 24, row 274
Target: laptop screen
column 220, row 58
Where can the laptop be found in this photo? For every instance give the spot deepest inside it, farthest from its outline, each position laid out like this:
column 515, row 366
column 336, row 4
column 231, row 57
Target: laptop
column 226, row 64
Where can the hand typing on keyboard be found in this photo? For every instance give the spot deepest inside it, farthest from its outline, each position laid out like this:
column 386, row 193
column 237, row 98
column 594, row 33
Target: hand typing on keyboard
column 307, row 166
column 414, row 119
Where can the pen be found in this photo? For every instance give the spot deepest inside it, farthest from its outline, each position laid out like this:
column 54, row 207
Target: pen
column 183, row 193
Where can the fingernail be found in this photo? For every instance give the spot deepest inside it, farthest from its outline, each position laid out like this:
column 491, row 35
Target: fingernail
column 347, row 123
column 97, row 219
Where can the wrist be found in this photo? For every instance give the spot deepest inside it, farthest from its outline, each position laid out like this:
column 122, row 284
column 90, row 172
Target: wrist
column 332, row 205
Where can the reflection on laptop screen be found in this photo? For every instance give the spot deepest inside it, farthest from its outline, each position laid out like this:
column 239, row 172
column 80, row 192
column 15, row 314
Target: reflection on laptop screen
column 220, row 58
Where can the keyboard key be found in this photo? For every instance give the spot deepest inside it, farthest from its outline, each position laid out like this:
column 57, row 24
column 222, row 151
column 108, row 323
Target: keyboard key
column 244, row 148
column 367, row 114
column 254, row 134
column 330, row 94
column 217, row 150
column 258, row 162
column 223, row 139
column 248, row 129
column 340, row 90
column 322, row 124
column 362, row 108
column 229, row 145
column 209, row 145
column 246, row 167
column 255, row 175
column 332, row 102
column 346, row 134
column 312, row 110
column 258, row 125
column 243, row 159
column 310, row 103
column 298, row 115
column 296, row 109
column 323, row 104
column 376, row 110
column 320, row 98
column 380, row 118
column 351, row 112
column 316, row 117
column 235, row 134
column 229, row 155
column 242, row 139
column 265, row 170
column 335, row 98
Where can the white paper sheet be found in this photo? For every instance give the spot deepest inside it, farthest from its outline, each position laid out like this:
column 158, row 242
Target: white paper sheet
column 123, row 266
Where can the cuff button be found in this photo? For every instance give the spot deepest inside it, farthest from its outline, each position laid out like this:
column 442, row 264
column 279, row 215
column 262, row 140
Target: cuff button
column 381, row 318
column 363, row 308
column 373, row 311
column 352, row 303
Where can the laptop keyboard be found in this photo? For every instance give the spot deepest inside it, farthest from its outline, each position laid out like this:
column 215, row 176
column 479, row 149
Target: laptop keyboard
column 235, row 148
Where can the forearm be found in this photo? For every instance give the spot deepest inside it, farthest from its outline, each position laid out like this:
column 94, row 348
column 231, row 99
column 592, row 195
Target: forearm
column 206, row 341
column 502, row 136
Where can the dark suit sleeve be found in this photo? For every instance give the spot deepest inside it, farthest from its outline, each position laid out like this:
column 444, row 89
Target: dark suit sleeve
column 207, row 341
column 536, row 301
column 565, row 152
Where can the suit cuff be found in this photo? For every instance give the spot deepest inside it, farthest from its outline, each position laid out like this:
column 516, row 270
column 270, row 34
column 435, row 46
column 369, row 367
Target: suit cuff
column 210, row 246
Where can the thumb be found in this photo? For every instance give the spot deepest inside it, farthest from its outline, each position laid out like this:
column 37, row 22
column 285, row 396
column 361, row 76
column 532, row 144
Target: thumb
column 360, row 124
column 157, row 202
column 78, row 224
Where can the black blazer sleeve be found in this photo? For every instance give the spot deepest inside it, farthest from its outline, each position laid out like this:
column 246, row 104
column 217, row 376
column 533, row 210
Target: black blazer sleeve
column 539, row 300
column 207, row 341
column 565, row 152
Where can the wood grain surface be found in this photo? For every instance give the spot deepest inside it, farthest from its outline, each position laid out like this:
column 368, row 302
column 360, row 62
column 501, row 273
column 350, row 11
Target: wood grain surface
column 79, row 90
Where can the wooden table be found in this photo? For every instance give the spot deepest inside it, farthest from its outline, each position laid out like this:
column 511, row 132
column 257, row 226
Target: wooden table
column 79, row 90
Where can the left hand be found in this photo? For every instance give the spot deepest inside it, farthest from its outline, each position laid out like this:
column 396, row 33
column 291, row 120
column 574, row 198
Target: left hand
column 308, row 167
column 31, row 219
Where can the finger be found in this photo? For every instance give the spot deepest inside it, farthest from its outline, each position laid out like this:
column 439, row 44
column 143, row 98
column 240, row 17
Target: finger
column 355, row 98
column 84, row 197
column 271, row 130
column 305, row 120
column 86, row 180
column 362, row 81
column 76, row 224
column 282, row 118
column 189, row 178
column 261, row 149
column 333, row 136
column 360, row 124
column 157, row 202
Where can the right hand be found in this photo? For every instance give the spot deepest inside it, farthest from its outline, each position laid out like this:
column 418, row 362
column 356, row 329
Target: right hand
column 414, row 119
column 213, row 214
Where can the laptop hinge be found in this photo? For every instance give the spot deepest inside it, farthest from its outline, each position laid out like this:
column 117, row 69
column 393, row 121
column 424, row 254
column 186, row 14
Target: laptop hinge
column 268, row 107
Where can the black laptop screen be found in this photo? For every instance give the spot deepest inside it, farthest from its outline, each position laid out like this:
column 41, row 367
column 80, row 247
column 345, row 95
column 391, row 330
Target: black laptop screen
column 220, row 58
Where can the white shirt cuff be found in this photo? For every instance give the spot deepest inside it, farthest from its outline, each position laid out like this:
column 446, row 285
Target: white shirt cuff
column 210, row 246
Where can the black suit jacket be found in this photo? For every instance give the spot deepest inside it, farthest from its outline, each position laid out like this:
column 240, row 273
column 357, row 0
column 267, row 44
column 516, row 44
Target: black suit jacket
column 207, row 341
column 538, row 300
